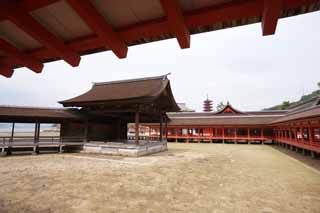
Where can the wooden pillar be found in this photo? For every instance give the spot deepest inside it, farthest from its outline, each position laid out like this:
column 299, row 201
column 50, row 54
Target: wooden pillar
column 222, row 134
column 310, row 132
column 295, row 135
column 161, row 127
column 36, row 138
column 302, row 135
column 12, row 131
column 235, row 135
column 137, row 125
column 176, row 135
column 86, row 129
column 60, row 145
column 248, row 130
column 262, row 136
column 166, row 129
column 9, row 149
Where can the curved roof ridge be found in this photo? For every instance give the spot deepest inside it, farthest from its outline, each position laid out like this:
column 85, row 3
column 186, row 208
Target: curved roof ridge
column 163, row 77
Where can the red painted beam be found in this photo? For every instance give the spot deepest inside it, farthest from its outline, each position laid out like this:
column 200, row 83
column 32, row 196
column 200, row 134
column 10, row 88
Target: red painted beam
column 271, row 13
column 98, row 24
column 6, row 71
column 176, row 22
column 24, row 59
column 18, row 15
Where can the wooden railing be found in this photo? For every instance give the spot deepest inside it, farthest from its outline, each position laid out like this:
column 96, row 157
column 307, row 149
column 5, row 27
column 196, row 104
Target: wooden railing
column 43, row 140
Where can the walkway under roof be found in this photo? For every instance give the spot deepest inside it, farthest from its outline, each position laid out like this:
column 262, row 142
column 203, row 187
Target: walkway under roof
column 33, row 32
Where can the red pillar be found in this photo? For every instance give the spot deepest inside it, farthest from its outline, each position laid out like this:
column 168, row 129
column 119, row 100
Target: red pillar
column 310, row 135
column 222, row 134
column 296, row 135
column 302, row 135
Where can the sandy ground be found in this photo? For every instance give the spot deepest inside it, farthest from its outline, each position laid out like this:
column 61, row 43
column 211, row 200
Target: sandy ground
column 187, row 178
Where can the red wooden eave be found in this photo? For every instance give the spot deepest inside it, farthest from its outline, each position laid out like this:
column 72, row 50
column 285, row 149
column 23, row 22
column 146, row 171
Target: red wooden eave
column 18, row 15
column 108, row 37
column 176, row 22
column 26, row 60
column 6, row 71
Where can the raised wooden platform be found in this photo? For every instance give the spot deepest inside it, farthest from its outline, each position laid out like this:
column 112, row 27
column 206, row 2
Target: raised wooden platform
column 128, row 148
column 27, row 144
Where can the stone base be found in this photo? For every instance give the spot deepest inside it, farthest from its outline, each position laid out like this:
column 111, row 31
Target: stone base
column 125, row 149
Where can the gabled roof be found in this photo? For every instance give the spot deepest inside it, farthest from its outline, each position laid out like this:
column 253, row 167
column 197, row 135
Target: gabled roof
column 228, row 109
column 127, row 92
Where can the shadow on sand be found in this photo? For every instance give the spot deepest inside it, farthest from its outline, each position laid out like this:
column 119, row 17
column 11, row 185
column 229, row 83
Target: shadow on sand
column 305, row 159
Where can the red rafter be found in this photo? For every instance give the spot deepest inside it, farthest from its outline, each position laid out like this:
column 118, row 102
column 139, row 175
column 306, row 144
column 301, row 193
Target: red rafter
column 21, row 57
column 17, row 14
column 271, row 13
column 176, row 22
column 6, row 71
column 98, row 24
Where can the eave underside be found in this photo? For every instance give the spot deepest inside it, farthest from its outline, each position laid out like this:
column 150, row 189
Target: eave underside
column 82, row 35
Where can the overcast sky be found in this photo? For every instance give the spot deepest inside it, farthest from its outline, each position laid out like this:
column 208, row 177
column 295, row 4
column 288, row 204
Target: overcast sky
column 237, row 65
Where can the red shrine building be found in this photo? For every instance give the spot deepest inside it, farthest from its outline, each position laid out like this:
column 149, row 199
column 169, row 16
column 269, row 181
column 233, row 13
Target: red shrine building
column 297, row 127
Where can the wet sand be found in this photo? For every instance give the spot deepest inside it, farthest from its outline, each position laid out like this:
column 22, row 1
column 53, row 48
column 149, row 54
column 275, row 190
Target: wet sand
column 187, row 178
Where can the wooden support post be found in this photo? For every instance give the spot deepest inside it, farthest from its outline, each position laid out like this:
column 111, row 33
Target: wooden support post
column 161, row 127
column 302, row 135
column 296, row 135
column 223, row 135
column 60, row 145
column 166, row 129
column 2, row 147
column 137, row 124
column 35, row 139
column 310, row 132
column 248, row 130
column 235, row 136
column 86, row 128
column 9, row 149
column 304, row 152
column 176, row 135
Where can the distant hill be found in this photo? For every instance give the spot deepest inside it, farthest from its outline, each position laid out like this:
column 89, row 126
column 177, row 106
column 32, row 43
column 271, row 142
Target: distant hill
column 287, row 104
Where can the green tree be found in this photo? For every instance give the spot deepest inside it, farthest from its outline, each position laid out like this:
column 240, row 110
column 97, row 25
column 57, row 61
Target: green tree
column 220, row 106
column 285, row 104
